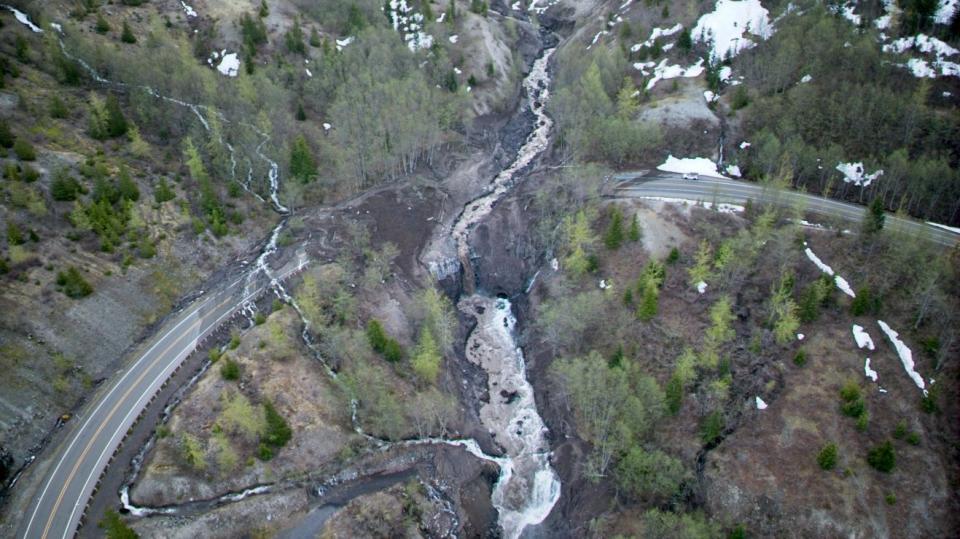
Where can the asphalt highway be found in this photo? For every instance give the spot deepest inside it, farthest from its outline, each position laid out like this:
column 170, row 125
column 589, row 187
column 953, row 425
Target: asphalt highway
column 709, row 189
column 59, row 503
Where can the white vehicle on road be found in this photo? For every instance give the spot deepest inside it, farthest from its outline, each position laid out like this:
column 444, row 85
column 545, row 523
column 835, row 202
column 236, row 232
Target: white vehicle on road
column 691, row 176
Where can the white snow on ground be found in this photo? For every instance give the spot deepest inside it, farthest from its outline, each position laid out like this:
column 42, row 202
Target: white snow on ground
column 945, row 11
column 326, row 126
column 57, row 27
column 555, row 264
column 841, row 283
column 709, row 96
column 597, row 38
column 906, row 356
column 945, row 227
column 410, row 25
column 725, row 73
column 727, row 25
column 539, row 6
column 870, row 373
column 744, row 145
column 701, row 287
column 309, row 73
column 760, row 404
column 23, row 19
column 800, row 336
column 844, row 286
column 603, row 284
column 922, row 43
column 642, row 67
column 189, row 10
column 341, row 43
column 230, row 64
column 664, row 71
column 920, row 68
column 855, row 173
column 656, row 34
column 847, row 12
column 733, row 170
column 698, row 165
column 453, row 38
column 722, row 207
column 890, row 8
column 805, row 79
column 862, row 337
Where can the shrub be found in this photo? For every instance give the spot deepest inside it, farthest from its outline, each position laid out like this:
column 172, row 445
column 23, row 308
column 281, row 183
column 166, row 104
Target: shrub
column 712, row 427
column 900, row 431
column 114, row 527
column 259, row 319
column 674, row 256
column 234, row 341
column 230, row 370
column 73, row 284
column 644, row 473
column 827, row 458
column 613, row 238
column 674, row 394
column 740, row 98
column 101, row 26
column 64, row 187
column 14, row 235
column 852, row 404
column 800, row 358
column 891, row 498
column 6, row 136
column 393, row 352
column 376, row 336
column 127, row 35
column 277, row 432
column 882, row 457
column 913, row 438
column 24, row 150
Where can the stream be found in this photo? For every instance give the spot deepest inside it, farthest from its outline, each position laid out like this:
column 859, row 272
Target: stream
column 527, row 488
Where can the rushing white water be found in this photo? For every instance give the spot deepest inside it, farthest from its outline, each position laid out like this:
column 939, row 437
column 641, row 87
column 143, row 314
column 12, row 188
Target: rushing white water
column 528, row 488
column 537, row 90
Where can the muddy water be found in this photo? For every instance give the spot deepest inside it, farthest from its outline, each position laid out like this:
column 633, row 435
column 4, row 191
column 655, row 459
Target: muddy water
column 527, row 488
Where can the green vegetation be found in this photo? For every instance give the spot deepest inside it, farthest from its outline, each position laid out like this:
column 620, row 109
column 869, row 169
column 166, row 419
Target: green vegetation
column 827, row 458
column 852, row 404
column 127, row 35
column 114, row 527
column 24, row 150
column 711, row 427
column 276, row 433
column 615, row 408
column 613, row 238
column 382, row 343
column 426, row 359
column 72, row 283
column 229, row 369
column 650, row 474
column 882, row 457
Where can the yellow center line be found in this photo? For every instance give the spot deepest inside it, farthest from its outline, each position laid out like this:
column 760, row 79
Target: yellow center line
column 86, row 449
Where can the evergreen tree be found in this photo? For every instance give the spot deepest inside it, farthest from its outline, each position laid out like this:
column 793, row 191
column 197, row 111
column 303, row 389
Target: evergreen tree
column 302, row 164
column 613, row 239
column 875, row 217
column 101, row 26
column 127, row 35
column 426, row 361
column 649, row 304
column 685, row 41
column 634, row 233
column 116, row 123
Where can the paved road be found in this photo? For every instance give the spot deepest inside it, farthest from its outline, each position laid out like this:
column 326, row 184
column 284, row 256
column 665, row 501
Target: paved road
column 98, row 431
column 667, row 185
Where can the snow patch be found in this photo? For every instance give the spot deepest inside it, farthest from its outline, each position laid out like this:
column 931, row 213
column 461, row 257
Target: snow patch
column 805, row 79
column 23, row 19
column 710, row 97
column 453, row 39
column 847, row 11
column 922, row 43
column 862, row 337
column 945, row 227
column 841, row 283
column 341, row 43
column 698, row 165
column 701, row 287
column 728, row 24
column 229, row 64
column 855, row 173
column 760, row 404
column 733, row 170
column 308, row 72
column 945, row 11
column 870, row 373
column 656, row 34
column 326, row 126
column 725, row 73
column 800, row 336
column 744, row 145
column 665, row 71
column 188, row 9
column 906, row 356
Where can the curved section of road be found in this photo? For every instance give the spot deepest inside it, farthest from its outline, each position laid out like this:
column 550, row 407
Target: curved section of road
column 74, row 472
column 707, row 189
